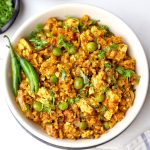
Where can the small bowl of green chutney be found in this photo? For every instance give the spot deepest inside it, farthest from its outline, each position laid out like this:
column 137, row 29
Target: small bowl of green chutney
column 9, row 10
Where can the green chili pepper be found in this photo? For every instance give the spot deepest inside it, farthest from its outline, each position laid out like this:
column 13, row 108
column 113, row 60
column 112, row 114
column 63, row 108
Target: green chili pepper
column 30, row 74
column 16, row 78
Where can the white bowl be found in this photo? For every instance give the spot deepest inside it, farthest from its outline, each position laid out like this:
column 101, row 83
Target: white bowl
column 118, row 27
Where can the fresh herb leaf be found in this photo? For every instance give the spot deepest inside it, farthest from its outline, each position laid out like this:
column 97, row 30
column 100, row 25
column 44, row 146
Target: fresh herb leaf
column 38, row 27
column 62, row 42
column 35, row 40
column 125, row 72
column 107, row 49
column 70, row 101
column 80, row 25
column 94, row 22
column 101, row 54
column 104, row 89
column 103, row 109
column 76, row 99
column 107, row 65
column 76, row 30
column 103, row 27
column 120, row 70
column 33, row 34
column 128, row 73
column 100, row 117
column 115, row 86
column 47, row 109
column 114, row 46
column 6, row 11
column 38, row 44
column 63, row 75
column 53, row 97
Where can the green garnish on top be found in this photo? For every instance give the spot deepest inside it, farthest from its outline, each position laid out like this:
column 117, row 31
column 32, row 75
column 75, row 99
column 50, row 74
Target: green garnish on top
column 6, row 11
column 107, row 65
column 63, row 43
column 103, row 109
column 35, row 39
column 71, row 49
column 101, row 54
column 94, row 22
column 53, row 97
column 104, row 89
column 114, row 46
column 63, row 75
column 38, row 43
column 124, row 72
column 103, row 27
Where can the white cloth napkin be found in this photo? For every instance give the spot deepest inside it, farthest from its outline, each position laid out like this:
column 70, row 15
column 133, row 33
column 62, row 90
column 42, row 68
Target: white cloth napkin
column 142, row 142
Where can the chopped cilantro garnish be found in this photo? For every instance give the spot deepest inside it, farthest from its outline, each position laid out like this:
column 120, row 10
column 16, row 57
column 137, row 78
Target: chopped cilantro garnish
column 76, row 30
column 128, row 74
column 100, row 117
column 94, row 22
column 115, row 86
column 76, row 99
column 6, row 11
column 107, row 49
column 104, row 89
column 101, row 54
column 38, row 44
column 103, row 109
column 103, row 27
column 120, row 70
column 70, row 101
column 38, row 27
column 61, row 42
column 125, row 72
column 53, row 97
column 63, row 75
column 114, row 46
column 107, row 66
column 35, row 39
column 47, row 109
column 80, row 25
column 33, row 34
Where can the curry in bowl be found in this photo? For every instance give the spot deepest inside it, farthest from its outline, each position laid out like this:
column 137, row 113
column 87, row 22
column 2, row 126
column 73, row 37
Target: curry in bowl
column 73, row 77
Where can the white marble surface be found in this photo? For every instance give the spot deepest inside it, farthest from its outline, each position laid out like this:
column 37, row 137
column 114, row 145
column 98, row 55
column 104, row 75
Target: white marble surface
column 135, row 13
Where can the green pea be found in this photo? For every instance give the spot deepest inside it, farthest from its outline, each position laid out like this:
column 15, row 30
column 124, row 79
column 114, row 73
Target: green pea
column 53, row 79
column 91, row 46
column 57, row 51
column 100, row 97
column 63, row 106
column 78, row 83
column 106, row 125
column 71, row 50
column 83, row 125
column 38, row 106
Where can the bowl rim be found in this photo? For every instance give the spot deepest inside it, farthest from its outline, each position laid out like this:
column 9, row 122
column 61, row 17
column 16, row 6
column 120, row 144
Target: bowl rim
column 21, row 120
